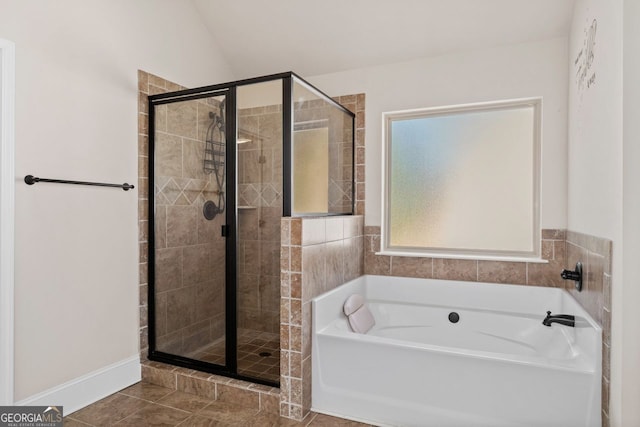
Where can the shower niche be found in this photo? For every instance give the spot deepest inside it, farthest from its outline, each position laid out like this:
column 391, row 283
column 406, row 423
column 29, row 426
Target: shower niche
column 226, row 163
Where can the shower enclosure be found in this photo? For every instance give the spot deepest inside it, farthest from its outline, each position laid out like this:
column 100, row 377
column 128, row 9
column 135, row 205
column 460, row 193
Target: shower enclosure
column 226, row 163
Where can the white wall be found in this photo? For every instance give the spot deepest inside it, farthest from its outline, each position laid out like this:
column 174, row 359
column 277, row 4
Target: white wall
column 595, row 122
column 629, row 320
column 76, row 285
column 604, row 182
column 595, row 180
column 515, row 71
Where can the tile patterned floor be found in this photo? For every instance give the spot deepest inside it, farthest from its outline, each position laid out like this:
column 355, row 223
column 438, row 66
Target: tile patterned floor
column 150, row 405
column 258, row 354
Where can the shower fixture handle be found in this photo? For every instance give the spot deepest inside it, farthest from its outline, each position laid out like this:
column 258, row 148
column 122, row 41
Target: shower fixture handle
column 575, row 275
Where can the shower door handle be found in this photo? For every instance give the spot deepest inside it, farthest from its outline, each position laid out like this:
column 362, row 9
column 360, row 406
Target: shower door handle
column 224, row 231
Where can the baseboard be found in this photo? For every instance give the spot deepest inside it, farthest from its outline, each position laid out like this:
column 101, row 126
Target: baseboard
column 89, row 388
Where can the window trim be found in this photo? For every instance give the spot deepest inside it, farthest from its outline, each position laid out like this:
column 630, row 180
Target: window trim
column 507, row 255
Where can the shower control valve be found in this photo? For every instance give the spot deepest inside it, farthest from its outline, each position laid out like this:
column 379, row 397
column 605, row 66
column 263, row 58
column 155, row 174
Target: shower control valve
column 575, row 275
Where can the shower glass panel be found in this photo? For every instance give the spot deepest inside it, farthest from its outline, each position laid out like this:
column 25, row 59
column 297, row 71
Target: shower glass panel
column 189, row 188
column 322, row 153
column 259, row 194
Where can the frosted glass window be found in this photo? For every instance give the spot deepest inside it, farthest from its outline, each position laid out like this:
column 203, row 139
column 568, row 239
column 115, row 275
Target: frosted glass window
column 463, row 180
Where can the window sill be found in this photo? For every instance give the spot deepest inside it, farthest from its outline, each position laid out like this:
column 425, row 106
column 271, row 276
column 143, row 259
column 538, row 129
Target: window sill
column 471, row 257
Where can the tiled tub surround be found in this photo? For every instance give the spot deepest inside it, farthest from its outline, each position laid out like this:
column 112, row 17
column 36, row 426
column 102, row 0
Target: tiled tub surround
column 595, row 254
column 560, row 247
column 318, row 254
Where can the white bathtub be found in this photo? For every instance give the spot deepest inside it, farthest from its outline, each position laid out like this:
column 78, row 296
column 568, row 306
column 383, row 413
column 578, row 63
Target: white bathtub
column 498, row 366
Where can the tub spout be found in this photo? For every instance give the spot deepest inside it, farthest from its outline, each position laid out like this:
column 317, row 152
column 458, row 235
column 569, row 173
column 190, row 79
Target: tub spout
column 563, row 319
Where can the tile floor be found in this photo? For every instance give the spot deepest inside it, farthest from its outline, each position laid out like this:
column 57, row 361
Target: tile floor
column 258, row 354
column 150, row 405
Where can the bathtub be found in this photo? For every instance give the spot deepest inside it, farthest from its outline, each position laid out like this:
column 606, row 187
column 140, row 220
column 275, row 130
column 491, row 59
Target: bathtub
column 497, row 366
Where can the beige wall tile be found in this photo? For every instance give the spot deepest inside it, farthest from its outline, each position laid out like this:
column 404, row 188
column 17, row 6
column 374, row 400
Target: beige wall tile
column 270, row 403
column 181, row 226
column 412, row 267
column 334, row 265
column 296, row 231
column 159, row 377
column 553, row 234
column 335, row 228
column 313, row 271
column 180, row 305
column 455, row 269
column 313, row 231
column 168, row 155
column 502, row 272
column 182, row 119
column 296, row 259
column 168, row 269
column 540, row 274
column 197, row 386
column 238, row 396
column 353, row 255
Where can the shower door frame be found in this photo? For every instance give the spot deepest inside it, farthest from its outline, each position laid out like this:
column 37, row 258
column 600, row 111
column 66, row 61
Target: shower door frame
column 230, row 364
column 230, row 369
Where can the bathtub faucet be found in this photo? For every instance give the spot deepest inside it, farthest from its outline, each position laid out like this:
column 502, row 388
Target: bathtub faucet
column 563, row 319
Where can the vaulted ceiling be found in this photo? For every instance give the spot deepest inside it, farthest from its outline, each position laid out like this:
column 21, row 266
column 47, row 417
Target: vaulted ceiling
column 314, row 37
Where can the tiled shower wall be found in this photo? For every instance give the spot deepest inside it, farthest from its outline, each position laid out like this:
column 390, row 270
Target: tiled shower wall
column 313, row 114
column 148, row 84
column 259, row 212
column 560, row 247
column 356, row 104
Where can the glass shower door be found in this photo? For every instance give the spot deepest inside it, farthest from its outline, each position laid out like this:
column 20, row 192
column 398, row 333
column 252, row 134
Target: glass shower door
column 190, row 209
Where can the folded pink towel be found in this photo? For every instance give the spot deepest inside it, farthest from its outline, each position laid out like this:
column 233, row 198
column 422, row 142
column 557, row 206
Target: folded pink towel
column 360, row 318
